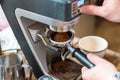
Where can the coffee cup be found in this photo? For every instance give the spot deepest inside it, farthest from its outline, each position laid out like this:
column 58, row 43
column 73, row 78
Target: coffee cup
column 93, row 44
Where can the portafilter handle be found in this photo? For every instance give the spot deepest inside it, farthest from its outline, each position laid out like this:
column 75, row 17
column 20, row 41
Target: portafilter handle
column 80, row 56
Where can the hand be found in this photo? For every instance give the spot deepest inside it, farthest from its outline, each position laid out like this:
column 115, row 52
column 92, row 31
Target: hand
column 109, row 10
column 103, row 69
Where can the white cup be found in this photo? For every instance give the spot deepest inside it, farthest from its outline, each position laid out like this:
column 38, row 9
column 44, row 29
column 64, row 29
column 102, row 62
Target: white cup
column 93, row 44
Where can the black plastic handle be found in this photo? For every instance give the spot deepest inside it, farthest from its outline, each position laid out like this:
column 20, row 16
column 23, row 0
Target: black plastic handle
column 82, row 58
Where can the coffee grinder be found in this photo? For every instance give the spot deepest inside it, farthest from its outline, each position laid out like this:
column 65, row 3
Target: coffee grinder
column 34, row 24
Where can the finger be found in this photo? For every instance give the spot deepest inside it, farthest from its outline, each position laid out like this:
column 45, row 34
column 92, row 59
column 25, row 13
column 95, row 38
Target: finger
column 94, row 58
column 93, row 10
column 84, row 71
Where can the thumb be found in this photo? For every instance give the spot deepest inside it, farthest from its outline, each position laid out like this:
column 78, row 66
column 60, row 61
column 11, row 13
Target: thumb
column 92, row 9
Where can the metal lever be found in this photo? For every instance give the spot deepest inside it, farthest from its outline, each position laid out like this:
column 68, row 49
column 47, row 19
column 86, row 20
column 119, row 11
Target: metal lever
column 80, row 56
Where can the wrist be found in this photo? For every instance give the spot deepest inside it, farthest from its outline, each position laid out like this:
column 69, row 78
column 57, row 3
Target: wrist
column 115, row 77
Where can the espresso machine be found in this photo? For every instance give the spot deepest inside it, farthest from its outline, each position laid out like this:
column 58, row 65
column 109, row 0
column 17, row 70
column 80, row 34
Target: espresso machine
column 36, row 24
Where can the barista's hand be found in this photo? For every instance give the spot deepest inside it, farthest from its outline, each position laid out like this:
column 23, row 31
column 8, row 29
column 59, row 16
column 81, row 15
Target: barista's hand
column 110, row 10
column 103, row 69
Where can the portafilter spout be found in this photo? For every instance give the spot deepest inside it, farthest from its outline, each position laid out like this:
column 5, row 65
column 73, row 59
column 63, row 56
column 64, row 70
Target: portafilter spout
column 79, row 56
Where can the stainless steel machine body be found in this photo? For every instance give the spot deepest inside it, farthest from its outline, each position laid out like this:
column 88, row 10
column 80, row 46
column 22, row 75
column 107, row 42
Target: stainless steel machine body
column 29, row 18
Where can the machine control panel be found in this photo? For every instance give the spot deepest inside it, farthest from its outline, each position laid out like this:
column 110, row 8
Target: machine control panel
column 75, row 6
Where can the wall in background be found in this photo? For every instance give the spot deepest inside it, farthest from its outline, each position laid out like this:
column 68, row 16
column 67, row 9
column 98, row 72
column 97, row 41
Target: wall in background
column 7, row 39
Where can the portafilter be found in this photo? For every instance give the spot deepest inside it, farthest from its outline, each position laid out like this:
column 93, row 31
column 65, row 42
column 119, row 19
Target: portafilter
column 63, row 40
column 66, row 43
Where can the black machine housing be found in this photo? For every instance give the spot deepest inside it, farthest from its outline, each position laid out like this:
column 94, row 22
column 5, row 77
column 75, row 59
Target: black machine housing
column 64, row 10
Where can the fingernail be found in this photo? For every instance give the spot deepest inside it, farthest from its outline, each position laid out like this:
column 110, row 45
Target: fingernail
column 83, row 10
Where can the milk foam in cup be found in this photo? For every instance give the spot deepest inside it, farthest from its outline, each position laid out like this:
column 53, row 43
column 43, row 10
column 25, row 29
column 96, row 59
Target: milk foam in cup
column 93, row 44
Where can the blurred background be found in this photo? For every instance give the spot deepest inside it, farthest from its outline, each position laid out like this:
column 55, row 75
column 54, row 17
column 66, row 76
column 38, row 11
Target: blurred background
column 8, row 42
column 94, row 25
column 110, row 31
